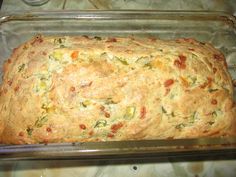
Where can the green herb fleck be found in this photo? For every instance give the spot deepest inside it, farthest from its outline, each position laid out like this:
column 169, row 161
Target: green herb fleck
column 142, row 59
column 193, row 79
column 62, row 46
column 194, row 56
column 85, row 103
column 180, row 126
column 109, row 101
column 212, row 90
column 193, row 117
column 44, row 106
column 214, row 114
column 29, row 131
column 211, row 123
column 148, row 65
column 21, row 67
column 172, row 114
column 59, row 41
column 97, row 38
column 203, row 43
column 100, row 123
column 41, row 121
column 124, row 62
column 163, row 110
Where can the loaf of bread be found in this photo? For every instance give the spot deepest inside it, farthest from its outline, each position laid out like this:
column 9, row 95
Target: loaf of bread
column 80, row 88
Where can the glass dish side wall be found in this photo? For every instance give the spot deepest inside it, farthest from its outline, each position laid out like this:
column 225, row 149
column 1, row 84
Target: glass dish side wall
column 216, row 28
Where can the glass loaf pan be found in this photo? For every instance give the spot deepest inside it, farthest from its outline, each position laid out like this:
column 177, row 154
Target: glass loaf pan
column 214, row 27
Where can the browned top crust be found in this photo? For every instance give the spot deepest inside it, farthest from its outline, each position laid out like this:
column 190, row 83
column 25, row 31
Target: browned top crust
column 68, row 89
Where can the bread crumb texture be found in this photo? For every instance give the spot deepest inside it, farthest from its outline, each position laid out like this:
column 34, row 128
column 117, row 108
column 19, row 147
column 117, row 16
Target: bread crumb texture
column 83, row 88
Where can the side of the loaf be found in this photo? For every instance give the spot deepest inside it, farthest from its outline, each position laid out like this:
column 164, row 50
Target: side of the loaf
column 72, row 89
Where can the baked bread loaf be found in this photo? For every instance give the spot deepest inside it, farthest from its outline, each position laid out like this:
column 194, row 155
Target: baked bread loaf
column 76, row 89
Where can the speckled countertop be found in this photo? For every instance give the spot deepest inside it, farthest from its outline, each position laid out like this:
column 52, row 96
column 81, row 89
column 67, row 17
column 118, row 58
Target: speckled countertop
column 161, row 168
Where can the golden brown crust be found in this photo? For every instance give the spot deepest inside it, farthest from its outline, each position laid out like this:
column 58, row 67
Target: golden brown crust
column 68, row 89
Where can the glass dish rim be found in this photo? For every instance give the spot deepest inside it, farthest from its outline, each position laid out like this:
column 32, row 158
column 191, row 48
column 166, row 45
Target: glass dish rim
column 108, row 14
column 122, row 148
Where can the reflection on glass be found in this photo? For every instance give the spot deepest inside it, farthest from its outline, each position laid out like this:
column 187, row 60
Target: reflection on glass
column 35, row 2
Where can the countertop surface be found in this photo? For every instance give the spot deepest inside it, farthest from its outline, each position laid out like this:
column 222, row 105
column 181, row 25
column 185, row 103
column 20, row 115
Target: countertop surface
column 207, row 5
column 166, row 167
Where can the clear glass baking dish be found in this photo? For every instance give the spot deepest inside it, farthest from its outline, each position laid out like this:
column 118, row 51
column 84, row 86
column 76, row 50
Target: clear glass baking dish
column 215, row 27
